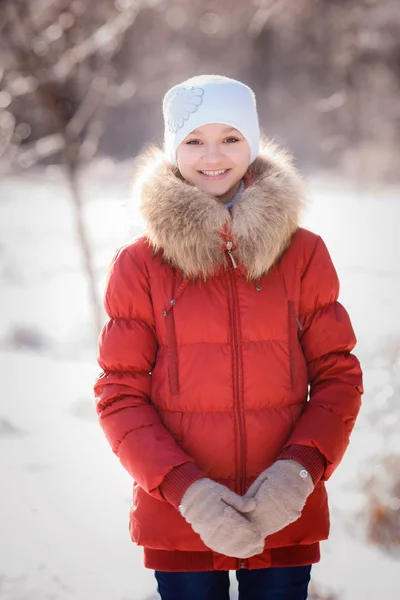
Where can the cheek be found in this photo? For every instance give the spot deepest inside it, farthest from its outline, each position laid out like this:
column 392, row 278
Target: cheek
column 242, row 164
column 240, row 156
column 185, row 166
column 182, row 161
column 185, row 154
column 243, row 159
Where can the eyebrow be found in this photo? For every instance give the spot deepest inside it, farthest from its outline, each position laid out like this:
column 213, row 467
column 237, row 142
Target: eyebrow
column 197, row 131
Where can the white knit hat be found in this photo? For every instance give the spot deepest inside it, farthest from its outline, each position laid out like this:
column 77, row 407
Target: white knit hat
column 209, row 99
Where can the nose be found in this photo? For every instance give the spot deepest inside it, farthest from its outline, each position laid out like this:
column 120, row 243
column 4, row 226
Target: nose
column 212, row 154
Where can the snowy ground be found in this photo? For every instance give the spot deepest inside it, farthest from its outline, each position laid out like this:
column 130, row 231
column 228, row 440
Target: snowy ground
column 65, row 499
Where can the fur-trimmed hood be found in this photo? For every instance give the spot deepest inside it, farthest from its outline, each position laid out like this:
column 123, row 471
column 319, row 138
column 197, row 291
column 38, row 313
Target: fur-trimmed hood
column 187, row 224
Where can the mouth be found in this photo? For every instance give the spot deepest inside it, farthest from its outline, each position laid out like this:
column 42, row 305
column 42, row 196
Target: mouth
column 214, row 175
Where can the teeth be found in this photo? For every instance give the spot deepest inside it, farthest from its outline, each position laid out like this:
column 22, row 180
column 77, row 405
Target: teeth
column 214, row 173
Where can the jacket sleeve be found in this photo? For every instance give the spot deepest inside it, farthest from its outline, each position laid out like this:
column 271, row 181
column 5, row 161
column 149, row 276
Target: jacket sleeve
column 335, row 376
column 127, row 354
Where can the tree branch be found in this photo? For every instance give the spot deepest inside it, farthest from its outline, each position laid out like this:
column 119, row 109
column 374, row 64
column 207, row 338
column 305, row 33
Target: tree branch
column 95, row 42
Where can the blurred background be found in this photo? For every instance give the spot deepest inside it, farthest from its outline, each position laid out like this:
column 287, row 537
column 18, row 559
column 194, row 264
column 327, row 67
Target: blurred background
column 81, row 84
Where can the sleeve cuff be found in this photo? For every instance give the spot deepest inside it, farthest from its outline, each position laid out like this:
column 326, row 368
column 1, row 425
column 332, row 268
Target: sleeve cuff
column 177, row 481
column 310, row 457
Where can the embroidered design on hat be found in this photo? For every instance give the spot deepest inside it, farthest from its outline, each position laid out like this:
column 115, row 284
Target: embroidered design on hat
column 185, row 102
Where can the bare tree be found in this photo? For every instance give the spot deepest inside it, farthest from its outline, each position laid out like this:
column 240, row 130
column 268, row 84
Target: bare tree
column 63, row 61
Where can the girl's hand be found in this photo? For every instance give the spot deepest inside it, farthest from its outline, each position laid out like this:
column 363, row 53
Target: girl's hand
column 280, row 493
column 214, row 512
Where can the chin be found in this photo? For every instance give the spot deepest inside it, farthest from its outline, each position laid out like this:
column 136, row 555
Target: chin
column 217, row 188
column 217, row 192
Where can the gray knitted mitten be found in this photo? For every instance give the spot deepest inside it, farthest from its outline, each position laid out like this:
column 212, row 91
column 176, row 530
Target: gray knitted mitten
column 214, row 512
column 281, row 492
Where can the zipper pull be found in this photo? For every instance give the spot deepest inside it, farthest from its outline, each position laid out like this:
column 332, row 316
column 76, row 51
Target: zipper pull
column 229, row 250
column 299, row 324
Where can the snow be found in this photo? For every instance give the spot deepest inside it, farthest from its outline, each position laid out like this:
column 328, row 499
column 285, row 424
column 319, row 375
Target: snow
column 65, row 498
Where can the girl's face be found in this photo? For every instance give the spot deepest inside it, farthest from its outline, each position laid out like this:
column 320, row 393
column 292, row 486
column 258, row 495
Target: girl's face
column 214, row 158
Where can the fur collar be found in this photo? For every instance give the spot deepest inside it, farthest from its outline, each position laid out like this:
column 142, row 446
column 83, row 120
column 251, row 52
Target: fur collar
column 186, row 224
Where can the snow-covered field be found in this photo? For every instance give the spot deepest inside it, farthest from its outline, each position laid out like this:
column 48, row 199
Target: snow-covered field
column 64, row 498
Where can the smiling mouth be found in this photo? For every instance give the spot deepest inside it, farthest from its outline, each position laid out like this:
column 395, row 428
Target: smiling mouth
column 211, row 174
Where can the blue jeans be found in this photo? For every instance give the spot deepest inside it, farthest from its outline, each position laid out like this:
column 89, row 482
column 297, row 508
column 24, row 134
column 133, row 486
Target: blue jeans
column 275, row 583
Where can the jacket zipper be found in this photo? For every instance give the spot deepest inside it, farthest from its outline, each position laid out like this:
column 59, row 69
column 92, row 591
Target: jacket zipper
column 172, row 346
column 294, row 326
column 241, row 466
column 172, row 353
column 229, row 250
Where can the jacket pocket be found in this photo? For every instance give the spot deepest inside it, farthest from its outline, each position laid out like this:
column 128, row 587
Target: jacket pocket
column 294, row 326
column 173, row 375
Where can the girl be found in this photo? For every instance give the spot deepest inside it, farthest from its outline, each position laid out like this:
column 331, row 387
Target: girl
column 228, row 388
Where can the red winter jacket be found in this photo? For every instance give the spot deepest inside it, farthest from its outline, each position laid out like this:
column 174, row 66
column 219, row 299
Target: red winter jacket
column 226, row 348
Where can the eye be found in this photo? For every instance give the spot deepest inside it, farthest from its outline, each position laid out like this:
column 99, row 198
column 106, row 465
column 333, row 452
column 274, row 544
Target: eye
column 232, row 140
column 193, row 142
